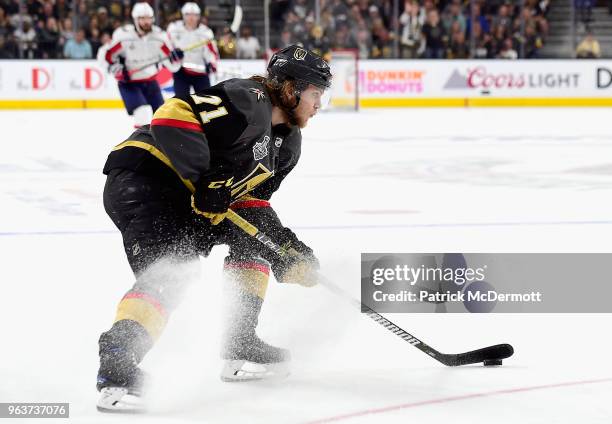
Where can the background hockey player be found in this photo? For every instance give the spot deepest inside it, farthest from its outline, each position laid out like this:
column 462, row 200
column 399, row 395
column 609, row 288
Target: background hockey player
column 199, row 63
column 168, row 190
column 131, row 49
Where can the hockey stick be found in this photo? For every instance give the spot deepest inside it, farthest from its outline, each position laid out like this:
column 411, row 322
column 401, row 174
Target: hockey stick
column 491, row 355
column 237, row 18
column 157, row 62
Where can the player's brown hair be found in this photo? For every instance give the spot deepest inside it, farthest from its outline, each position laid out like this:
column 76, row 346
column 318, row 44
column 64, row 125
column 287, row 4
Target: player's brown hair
column 281, row 95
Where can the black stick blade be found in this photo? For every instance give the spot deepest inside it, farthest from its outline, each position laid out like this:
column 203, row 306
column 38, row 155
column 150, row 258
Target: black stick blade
column 490, row 353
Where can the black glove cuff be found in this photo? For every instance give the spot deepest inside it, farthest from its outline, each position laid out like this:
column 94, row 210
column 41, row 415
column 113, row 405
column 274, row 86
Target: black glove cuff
column 213, row 194
column 289, row 241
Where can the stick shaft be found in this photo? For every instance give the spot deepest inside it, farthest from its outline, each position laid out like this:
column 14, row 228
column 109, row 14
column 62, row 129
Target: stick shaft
column 476, row 356
column 157, row 62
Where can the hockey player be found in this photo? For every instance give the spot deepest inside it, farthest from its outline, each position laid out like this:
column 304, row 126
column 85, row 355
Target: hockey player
column 131, row 49
column 198, row 63
column 168, row 190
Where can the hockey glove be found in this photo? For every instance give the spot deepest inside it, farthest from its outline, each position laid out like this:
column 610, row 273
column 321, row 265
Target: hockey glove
column 212, row 197
column 297, row 269
column 176, row 55
column 119, row 71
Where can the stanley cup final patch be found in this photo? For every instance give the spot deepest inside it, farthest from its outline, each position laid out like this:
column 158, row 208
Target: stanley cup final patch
column 299, row 54
column 260, row 149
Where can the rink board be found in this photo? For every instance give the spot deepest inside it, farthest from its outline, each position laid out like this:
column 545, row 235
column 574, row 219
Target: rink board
column 85, row 84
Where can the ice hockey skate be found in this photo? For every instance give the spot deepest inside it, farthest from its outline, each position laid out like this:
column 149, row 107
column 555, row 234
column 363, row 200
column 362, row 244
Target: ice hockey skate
column 246, row 356
column 250, row 358
column 120, row 381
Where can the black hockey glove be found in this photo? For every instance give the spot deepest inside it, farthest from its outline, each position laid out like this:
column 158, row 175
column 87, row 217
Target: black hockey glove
column 119, row 69
column 213, row 196
column 300, row 269
column 176, row 55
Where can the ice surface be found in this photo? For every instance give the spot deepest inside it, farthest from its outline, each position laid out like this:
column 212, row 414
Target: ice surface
column 497, row 180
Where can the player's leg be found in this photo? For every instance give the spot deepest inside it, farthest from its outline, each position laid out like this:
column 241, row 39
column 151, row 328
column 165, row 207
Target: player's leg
column 246, row 279
column 200, row 82
column 152, row 92
column 135, row 103
column 158, row 242
column 182, row 85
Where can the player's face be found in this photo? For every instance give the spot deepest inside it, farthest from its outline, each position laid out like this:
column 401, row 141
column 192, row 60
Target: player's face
column 145, row 24
column 310, row 103
column 191, row 20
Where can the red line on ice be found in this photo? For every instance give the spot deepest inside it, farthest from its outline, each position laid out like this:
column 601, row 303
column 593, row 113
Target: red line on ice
column 453, row 399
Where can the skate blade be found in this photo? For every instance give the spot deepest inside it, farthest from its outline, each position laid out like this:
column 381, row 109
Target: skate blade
column 239, row 370
column 118, row 400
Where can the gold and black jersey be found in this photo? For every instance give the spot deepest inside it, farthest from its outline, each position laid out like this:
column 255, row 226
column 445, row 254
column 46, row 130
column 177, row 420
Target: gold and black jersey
column 225, row 128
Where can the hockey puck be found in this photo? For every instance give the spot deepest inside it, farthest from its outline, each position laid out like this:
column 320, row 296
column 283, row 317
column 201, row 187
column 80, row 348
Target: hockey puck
column 492, row 362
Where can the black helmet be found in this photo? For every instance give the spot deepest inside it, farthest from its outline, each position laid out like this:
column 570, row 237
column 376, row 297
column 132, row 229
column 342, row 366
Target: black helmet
column 295, row 62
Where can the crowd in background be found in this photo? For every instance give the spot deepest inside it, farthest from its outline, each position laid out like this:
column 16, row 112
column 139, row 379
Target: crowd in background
column 426, row 28
column 419, row 29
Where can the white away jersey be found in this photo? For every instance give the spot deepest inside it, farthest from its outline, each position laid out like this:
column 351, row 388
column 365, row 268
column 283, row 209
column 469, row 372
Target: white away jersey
column 195, row 60
column 138, row 51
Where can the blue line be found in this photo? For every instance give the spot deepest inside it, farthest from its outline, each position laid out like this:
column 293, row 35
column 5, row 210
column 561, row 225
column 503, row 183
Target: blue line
column 336, row 227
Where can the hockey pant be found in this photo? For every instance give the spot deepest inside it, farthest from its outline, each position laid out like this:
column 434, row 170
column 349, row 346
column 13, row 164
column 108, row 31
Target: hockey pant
column 163, row 239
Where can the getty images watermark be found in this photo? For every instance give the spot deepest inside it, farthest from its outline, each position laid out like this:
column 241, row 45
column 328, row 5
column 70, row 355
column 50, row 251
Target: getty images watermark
column 456, row 282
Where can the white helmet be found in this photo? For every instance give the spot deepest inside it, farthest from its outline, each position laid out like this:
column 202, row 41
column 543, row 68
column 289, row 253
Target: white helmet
column 190, row 8
column 142, row 10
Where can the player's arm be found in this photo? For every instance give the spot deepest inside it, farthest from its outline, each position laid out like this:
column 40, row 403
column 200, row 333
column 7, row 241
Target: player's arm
column 287, row 269
column 113, row 55
column 193, row 133
column 211, row 52
column 167, row 50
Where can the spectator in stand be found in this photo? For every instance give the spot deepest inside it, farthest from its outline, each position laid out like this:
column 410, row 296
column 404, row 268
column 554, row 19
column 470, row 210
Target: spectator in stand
column 342, row 38
column 95, row 41
column 318, row 43
column 82, row 16
column 459, row 49
column 5, row 25
column 48, row 39
column 483, row 44
column 35, row 9
column 278, row 8
column 26, row 40
column 412, row 21
column 364, row 43
column 104, row 22
column 285, row 40
column 328, row 23
column 434, row 36
column 340, row 10
column 589, row 47
column 227, row 44
column 503, row 19
column 66, row 29
column 507, row 51
column 8, row 47
column 17, row 19
column 533, row 42
column 11, row 7
column 301, row 8
column 382, row 40
column 61, row 9
column 479, row 18
column 297, row 27
column 497, row 40
column 453, row 15
column 78, row 47
column 247, row 46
